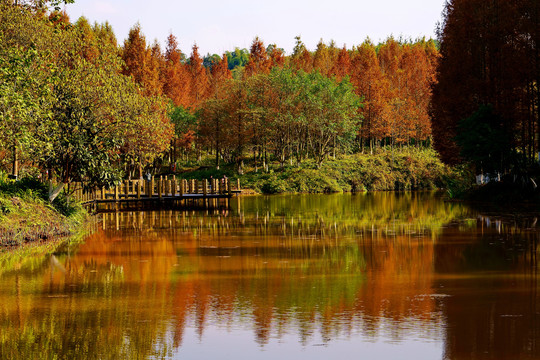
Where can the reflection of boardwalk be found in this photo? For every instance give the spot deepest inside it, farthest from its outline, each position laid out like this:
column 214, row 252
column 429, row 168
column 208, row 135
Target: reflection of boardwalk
column 158, row 193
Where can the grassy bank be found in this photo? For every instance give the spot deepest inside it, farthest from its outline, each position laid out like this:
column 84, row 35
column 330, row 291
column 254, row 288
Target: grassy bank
column 26, row 216
column 400, row 169
column 521, row 189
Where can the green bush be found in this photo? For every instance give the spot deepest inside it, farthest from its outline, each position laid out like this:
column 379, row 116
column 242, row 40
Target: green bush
column 274, row 185
column 459, row 182
column 30, row 188
column 406, row 168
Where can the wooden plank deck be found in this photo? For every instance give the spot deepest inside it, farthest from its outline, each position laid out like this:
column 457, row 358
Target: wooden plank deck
column 132, row 198
column 166, row 190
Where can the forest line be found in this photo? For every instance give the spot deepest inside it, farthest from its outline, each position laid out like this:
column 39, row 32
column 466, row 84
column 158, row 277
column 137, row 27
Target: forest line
column 76, row 105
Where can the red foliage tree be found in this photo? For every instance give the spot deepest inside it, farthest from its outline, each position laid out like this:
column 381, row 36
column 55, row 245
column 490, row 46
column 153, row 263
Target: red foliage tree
column 342, row 66
column 176, row 79
column 369, row 82
column 142, row 63
column 199, row 81
column 220, row 73
column 259, row 62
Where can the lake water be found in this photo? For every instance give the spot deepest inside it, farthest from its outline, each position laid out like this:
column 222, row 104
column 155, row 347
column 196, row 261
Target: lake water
column 370, row 276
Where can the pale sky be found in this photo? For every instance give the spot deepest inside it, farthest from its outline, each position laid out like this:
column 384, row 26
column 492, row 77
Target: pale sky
column 217, row 26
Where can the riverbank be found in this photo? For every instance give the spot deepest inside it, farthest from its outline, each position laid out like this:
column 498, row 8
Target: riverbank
column 27, row 217
column 386, row 170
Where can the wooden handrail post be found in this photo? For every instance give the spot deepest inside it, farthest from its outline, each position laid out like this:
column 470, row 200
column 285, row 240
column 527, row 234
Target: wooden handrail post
column 152, row 187
column 238, row 184
column 116, row 192
column 103, row 193
column 196, row 186
column 182, row 187
column 126, row 182
column 205, row 187
column 139, row 185
column 160, row 184
column 173, row 192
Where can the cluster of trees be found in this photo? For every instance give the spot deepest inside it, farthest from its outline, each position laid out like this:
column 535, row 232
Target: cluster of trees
column 65, row 104
column 485, row 104
column 393, row 79
column 76, row 103
column 289, row 114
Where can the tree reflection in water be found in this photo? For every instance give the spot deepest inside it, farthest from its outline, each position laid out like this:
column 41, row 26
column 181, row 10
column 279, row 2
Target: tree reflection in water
column 384, row 266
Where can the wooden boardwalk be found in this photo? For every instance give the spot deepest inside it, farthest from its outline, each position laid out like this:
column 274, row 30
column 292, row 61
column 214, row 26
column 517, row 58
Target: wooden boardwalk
column 164, row 191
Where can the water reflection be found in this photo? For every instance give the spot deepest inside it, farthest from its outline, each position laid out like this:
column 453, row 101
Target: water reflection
column 380, row 271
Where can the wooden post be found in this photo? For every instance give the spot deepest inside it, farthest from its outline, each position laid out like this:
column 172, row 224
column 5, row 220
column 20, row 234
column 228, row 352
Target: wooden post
column 196, row 187
column 152, row 187
column 182, row 187
column 173, row 190
column 126, row 189
column 160, row 186
column 229, row 187
column 238, row 184
column 220, row 186
column 205, row 187
column 139, row 185
column 116, row 192
column 103, row 193
column 169, row 187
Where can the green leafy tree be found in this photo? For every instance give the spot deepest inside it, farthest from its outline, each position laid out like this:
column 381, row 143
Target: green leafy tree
column 185, row 128
column 484, row 141
column 331, row 112
column 25, row 100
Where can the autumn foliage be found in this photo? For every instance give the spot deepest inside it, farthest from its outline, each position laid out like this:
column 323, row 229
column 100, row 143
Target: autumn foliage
column 307, row 105
column 392, row 79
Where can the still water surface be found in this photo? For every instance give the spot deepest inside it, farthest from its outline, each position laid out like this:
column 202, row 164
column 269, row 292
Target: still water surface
column 373, row 276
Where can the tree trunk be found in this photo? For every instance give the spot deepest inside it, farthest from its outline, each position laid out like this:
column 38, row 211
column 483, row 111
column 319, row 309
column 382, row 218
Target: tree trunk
column 15, row 165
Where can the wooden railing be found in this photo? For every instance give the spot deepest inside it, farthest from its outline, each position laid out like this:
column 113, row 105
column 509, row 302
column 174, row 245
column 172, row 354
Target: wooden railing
column 158, row 188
